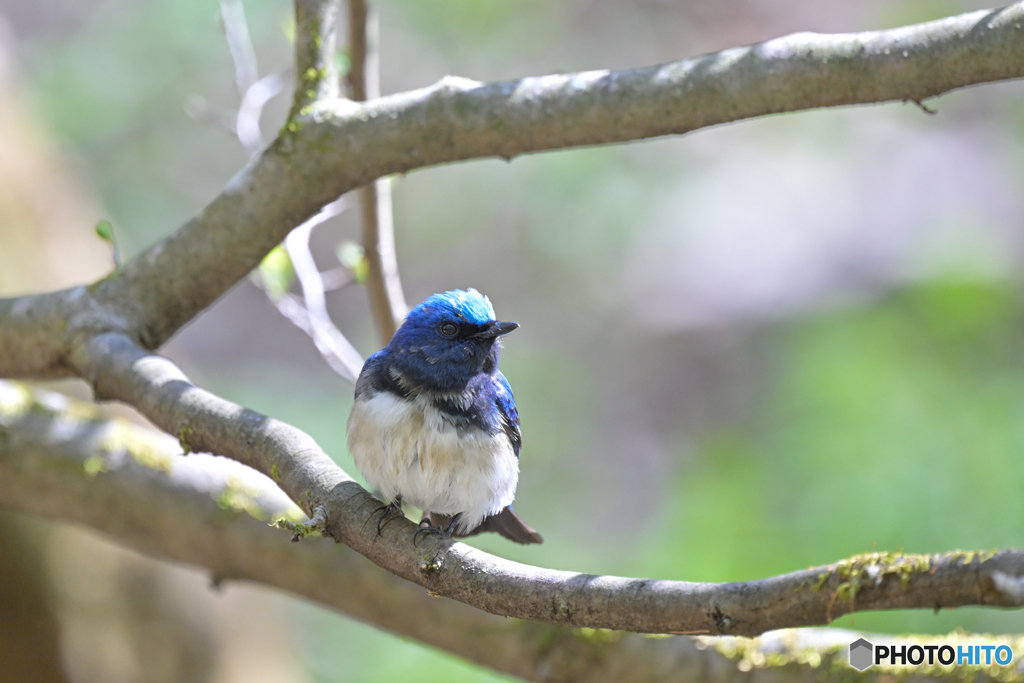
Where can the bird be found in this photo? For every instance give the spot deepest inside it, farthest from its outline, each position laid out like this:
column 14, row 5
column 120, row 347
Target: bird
column 434, row 422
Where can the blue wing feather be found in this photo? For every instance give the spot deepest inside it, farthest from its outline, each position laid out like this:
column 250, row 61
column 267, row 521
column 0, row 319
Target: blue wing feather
column 509, row 415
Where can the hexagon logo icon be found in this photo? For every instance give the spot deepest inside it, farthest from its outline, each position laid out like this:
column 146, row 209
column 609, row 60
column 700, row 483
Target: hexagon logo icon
column 861, row 652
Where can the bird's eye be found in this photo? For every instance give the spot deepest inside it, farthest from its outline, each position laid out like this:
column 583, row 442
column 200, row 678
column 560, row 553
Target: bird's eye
column 449, row 329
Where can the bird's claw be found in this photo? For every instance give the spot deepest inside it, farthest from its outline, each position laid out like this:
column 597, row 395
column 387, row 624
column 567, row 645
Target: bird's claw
column 436, row 530
column 386, row 512
column 443, row 533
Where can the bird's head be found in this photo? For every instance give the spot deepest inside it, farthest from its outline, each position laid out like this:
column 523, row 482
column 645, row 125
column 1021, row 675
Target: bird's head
column 447, row 340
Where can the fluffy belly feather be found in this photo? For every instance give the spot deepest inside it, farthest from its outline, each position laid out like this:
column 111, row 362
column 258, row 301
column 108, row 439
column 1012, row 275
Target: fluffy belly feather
column 406, row 448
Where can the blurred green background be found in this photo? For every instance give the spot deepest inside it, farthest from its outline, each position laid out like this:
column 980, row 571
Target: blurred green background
column 744, row 351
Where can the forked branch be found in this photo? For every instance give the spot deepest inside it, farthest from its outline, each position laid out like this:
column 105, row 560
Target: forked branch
column 331, row 146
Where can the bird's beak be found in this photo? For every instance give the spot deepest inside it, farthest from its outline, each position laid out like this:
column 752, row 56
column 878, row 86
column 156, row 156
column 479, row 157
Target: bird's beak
column 496, row 328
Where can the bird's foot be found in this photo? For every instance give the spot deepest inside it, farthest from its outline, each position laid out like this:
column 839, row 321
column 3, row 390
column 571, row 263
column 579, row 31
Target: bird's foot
column 387, row 512
column 444, row 533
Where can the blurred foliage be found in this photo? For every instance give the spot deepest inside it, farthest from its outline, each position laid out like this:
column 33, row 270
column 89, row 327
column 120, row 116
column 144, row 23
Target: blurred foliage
column 276, row 272
column 891, row 427
column 352, row 256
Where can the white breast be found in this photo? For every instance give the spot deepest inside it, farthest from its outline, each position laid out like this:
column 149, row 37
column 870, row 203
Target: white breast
column 405, row 448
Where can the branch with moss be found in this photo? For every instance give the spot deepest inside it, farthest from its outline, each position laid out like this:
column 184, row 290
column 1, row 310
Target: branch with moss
column 103, row 332
column 62, row 459
column 206, row 423
column 316, row 72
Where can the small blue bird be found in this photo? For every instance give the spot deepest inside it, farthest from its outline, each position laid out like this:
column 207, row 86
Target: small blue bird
column 434, row 422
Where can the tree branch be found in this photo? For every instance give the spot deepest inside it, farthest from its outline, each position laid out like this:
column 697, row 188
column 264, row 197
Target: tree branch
column 316, row 73
column 310, row 312
column 336, row 350
column 253, row 92
column 204, row 422
column 459, row 119
column 61, row 459
column 243, row 56
column 332, row 146
column 383, row 285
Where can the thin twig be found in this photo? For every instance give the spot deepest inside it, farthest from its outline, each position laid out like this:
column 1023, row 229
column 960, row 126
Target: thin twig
column 336, row 278
column 250, row 111
column 254, row 92
column 310, row 313
column 363, row 77
column 317, row 78
column 199, row 109
column 236, row 32
column 383, row 284
column 330, row 342
column 336, row 350
column 297, row 245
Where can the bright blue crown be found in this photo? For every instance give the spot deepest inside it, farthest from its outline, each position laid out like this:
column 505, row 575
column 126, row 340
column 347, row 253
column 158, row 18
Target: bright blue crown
column 470, row 305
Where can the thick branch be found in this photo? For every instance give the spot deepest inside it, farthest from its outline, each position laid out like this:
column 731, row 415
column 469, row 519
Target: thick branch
column 338, row 145
column 207, row 423
column 460, row 119
column 60, row 460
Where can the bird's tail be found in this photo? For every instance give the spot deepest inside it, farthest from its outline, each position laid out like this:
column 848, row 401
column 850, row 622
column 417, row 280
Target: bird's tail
column 507, row 523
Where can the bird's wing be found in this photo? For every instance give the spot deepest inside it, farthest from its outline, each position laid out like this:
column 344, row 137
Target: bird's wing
column 509, row 415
